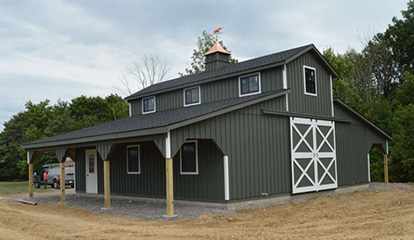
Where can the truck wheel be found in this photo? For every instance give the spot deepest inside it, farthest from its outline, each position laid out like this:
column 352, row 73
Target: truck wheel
column 55, row 185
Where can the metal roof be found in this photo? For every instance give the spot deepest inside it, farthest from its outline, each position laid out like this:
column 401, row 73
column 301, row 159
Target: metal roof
column 154, row 123
column 360, row 116
column 229, row 70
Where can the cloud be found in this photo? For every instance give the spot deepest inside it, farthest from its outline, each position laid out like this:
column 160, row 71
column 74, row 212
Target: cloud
column 61, row 49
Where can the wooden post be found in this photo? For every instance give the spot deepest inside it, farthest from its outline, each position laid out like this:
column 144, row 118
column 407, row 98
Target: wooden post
column 169, row 180
column 107, row 185
column 169, row 186
column 30, row 171
column 386, row 180
column 62, row 182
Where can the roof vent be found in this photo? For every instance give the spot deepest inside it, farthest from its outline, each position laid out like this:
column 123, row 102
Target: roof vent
column 217, row 57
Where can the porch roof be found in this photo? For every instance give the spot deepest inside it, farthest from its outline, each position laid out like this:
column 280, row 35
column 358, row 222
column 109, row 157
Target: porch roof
column 152, row 124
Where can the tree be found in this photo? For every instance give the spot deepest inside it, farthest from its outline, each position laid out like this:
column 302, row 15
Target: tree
column 400, row 40
column 403, row 144
column 44, row 120
column 143, row 73
column 204, row 43
column 378, row 55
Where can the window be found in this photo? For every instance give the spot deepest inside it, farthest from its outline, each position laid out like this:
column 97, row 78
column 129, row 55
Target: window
column 133, row 159
column 309, row 79
column 148, row 105
column 91, row 165
column 192, row 96
column 189, row 158
column 249, row 85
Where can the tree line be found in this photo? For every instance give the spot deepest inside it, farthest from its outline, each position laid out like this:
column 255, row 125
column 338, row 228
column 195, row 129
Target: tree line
column 379, row 83
column 45, row 119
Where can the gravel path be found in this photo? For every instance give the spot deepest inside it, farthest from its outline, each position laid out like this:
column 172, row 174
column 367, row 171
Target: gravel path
column 132, row 207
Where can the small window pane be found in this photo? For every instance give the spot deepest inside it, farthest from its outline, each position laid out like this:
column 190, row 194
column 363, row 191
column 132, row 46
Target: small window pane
column 188, row 158
column 148, row 104
column 133, row 159
column 310, row 81
column 192, row 96
column 249, row 84
column 91, row 159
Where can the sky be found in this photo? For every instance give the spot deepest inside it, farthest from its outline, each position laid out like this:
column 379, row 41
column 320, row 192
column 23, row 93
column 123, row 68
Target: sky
column 58, row 50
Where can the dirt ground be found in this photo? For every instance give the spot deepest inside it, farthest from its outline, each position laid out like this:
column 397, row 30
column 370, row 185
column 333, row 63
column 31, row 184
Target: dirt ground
column 385, row 214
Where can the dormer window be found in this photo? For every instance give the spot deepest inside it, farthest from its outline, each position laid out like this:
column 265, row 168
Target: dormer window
column 192, row 96
column 148, row 105
column 249, row 85
column 309, row 80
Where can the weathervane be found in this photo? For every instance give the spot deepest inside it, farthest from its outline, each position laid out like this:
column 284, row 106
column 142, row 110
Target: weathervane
column 217, row 30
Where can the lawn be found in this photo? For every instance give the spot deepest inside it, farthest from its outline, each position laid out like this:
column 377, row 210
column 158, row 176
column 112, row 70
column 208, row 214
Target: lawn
column 7, row 188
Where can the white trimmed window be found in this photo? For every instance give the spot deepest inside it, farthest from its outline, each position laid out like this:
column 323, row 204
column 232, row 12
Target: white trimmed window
column 133, row 159
column 192, row 96
column 189, row 158
column 249, row 85
column 309, row 80
column 148, row 105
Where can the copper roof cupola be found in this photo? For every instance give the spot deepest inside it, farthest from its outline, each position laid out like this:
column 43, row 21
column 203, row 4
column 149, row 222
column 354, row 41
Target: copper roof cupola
column 217, row 57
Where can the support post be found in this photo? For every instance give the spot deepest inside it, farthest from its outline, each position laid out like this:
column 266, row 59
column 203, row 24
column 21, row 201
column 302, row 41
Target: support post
column 226, row 178
column 61, row 155
column 369, row 167
column 62, row 182
column 30, row 180
column 169, row 178
column 104, row 150
column 386, row 180
column 30, row 173
column 107, row 185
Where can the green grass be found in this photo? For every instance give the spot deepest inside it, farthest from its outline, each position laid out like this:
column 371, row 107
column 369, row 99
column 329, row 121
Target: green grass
column 7, row 188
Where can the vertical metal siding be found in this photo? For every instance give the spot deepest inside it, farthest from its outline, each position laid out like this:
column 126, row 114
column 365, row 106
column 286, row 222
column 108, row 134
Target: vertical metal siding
column 208, row 185
column 151, row 181
column 298, row 101
column 353, row 142
column 80, row 171
column 257, row 146
column 271, row 79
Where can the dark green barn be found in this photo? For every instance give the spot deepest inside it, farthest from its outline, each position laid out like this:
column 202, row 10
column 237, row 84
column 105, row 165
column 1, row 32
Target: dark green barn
column 254, row 129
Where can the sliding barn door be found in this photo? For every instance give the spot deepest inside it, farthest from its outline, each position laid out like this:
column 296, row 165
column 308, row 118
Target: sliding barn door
column 313, row 155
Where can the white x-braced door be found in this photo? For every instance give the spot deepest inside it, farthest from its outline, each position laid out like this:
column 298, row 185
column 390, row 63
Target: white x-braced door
column 313, row 155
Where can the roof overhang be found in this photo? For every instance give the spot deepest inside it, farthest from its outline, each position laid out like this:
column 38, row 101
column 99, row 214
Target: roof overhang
column 149, row 131
column 313, row 48
column 208, row 80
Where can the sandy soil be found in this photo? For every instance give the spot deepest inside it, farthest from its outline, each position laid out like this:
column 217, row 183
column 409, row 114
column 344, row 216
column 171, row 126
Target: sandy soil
column 387, row 214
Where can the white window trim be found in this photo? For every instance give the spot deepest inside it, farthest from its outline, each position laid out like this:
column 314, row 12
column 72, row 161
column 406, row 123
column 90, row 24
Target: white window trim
column 304, row 81
column 181, row 159
column 155, row 104
column 139, row 158
column 253, row 93
column 199, row 96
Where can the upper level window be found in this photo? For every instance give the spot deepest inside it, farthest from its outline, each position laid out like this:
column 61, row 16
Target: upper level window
column 133, row 159
column 148, row 104
column 309, row 79
column 192, row 96
column 189, row 158
column 249, row 85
